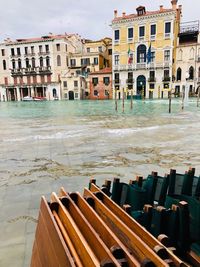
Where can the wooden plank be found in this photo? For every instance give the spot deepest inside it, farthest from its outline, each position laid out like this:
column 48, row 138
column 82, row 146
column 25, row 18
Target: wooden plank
column 150, row 240
column 85, row 253
column 67, row 240
column 100, row 227
column 123, row 232
column 49, row 242
column 94, row 241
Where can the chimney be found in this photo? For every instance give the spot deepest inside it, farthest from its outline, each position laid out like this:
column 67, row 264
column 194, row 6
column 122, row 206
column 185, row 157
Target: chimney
column 123, row 14
column 115, row 13
column 174, row 4
column 161, row 8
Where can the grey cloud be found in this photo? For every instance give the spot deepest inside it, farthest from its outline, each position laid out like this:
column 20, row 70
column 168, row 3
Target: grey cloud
column 91, row 18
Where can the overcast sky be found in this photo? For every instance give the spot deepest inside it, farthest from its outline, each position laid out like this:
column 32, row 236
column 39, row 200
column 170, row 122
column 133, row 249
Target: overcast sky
column 89, row 18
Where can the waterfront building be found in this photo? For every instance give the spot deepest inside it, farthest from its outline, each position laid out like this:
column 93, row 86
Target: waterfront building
column 33, row 67
column 93, row 56
column 144, row 51
column 101, row 84
column 188, row 58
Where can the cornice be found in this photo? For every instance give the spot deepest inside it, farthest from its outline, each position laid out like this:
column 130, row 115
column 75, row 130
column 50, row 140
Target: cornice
column 143, row 18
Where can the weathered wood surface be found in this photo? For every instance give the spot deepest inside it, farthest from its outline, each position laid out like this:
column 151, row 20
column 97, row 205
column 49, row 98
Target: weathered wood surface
column 49, row 246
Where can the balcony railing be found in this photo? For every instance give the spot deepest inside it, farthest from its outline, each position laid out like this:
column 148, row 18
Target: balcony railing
column 130, row 81
column 31, row 71
column 151, row 79
column 43, row 53
column 29, row 54
column 166, row 79
column 15, row 56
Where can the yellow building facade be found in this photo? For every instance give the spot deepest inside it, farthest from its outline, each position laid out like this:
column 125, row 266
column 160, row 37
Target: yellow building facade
column 144, row 46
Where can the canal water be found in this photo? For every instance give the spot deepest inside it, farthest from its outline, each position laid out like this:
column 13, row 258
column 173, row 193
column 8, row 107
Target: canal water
column 46, row 145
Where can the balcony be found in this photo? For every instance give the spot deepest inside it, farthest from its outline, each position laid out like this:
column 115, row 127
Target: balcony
column 31, row 71
column 15, row 56
column 16, row 72
column 130, row 81
column 166, row 64
column 167, row 35
column 116, row 82
column 45, row 53
column 29, row 55
column 151, row 79
column 141, row 66
column 166, row 79
column 46, row 69
column 153, row 37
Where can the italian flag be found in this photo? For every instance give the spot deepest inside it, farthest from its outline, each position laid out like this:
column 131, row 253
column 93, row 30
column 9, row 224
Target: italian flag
column 129, row 56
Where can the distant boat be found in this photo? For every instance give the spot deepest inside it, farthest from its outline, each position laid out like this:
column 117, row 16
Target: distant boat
column 39, row 98
column 27, row 98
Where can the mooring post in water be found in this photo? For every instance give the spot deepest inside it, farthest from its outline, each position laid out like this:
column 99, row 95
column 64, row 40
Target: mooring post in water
column 198, row 96
column 123, row 99
column 131, row 98
column 170, row 101
column 115, row 99
column 183, row 95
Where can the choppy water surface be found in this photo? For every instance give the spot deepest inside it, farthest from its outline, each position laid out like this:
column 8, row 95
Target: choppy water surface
column 50, row 144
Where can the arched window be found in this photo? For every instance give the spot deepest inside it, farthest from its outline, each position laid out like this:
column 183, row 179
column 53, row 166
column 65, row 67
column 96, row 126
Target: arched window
column 47, row 61
column 27, row 63
column 33, row 62
column 192, row 53
column 54, row 93
column 58, row 60
column 141, row 54
column 180, row 54
column 4, row 64
column 13, row 64
column 19, row 63
column 191, row 73
column 178, row 74
column 41, row 62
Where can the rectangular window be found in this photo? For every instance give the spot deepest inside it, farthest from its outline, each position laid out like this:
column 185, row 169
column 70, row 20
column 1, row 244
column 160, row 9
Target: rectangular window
column 32, row 49
column 12, row 52
column 58, row 47
column 151, row 86
column 75, row 83
column 6, row 80
column 130, row 80
column 3, row 52
column 96, row 93
column 66, row 48
column 116, row 35
column 116, row 81
column 96, row 61
column 116, row 60
column 109, row 52
column 153, row 29
column 167, row 55
column 26, row 50
column 76, row 95
column 152, row 56
column 47, row 48
column 40, row 48
column 100, row 49
column 168, row 27
column 18, row 51
column 142, row 58
column 106, row 80
column 142, row 31
column 130, row 33
column 88, row 49
column 65, row 84
column 73, row 62
column 95, row 81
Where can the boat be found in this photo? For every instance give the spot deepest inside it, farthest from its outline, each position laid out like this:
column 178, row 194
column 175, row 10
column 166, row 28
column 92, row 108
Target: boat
column 39, row 98
column 27, row 98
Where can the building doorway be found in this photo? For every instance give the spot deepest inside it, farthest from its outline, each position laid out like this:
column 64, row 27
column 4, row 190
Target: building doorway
column 141, row 86
column 71, row 95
